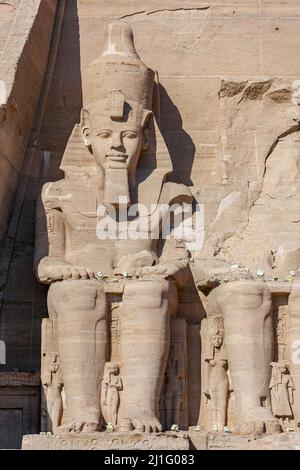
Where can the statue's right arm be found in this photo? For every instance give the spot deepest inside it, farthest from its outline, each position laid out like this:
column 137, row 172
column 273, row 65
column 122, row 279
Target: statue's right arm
column 206, row 378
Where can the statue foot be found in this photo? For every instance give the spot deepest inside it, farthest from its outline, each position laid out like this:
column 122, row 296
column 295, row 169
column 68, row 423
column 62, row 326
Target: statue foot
column 77, row 427
column 144, row 422
column 258, row 421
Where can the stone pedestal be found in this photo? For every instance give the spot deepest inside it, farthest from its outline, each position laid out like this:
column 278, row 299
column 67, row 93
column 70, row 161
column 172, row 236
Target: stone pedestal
column 228, row 441
column 193, row 440
column 107, row 441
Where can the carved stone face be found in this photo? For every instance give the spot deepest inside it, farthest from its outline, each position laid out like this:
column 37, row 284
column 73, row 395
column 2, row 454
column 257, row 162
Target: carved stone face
column 217, row 341
column 283, row 369
column 116, row 143
column 112, row 368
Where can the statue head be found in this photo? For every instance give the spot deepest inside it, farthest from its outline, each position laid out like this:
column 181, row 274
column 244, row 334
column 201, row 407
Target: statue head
column 217, row 340
column 279, row 368
column 112, row 367
column 115, row 130
column 114, row 126
column 283, row 369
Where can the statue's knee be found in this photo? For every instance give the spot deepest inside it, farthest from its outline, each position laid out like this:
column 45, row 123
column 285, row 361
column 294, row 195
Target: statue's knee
column 80, row 295
column 213, row 307
column 244, row 287
column 243, row 295
column 148, row 294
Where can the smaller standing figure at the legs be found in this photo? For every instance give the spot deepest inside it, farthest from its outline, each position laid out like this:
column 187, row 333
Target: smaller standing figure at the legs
column 110, row 397
column 175, row 385
column 217, row 382
column 282, row 390
column 52, row 383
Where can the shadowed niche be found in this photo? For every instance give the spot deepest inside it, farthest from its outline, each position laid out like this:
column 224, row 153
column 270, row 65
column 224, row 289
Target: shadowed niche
column 62, row 111
column 66, row 89
column 180, row 145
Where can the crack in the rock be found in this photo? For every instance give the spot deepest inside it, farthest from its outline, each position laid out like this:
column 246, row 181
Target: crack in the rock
column 152, row 12
column 133, row 14
column 179, row 9
column 292, row 129
column 10, row 4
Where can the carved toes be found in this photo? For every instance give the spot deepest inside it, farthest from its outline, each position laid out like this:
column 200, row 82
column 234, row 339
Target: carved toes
column 77, row 427
column 138, row 425
column 259, row 421
column 90, row 427
column 147, row 425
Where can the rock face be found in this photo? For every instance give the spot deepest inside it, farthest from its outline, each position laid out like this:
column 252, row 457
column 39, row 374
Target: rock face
column 130, row 110
column 256, row 221
column 26, row 29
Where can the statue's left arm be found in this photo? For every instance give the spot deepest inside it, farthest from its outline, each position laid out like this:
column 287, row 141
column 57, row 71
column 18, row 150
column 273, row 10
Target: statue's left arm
column 174, row 261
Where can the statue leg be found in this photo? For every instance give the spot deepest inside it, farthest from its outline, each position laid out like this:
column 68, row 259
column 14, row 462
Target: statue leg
column 169, row 411
column 215, row 410
column 294, row 345
column 176, row 408
column 56, row 408
column 246, row 307
column 113, row 404
column 222, row 403
column 172, row 410
column 145, row 339
column 80, row 307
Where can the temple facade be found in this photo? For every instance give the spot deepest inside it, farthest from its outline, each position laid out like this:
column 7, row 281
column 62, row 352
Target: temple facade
column 149, row 231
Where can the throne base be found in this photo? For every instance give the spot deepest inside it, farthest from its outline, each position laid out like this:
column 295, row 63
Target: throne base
column 107, row 441
column 228, row 441
column 193, row 440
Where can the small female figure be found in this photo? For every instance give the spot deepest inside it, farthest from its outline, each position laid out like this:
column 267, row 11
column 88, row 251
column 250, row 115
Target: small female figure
column 282, row 388
column 217, row 382
column 110, row 398
column 52, row 403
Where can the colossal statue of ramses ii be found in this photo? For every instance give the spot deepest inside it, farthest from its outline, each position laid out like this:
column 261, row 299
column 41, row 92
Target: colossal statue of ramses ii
column 115, row 157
